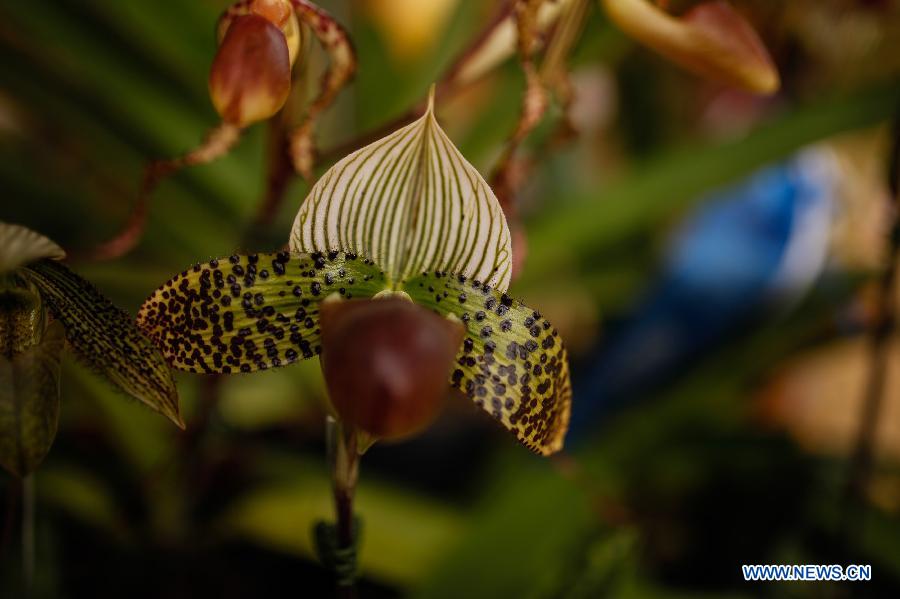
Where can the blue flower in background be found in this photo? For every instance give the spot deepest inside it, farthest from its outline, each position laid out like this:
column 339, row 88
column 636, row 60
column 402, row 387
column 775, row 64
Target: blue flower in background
column 753, row 247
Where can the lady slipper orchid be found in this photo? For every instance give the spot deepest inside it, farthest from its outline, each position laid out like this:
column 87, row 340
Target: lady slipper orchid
column 43, row 305
column 711, row 39
column 406, row 216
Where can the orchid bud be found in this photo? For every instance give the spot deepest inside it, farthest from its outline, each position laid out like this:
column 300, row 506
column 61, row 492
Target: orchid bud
column 387, row 363
column 712, row 40
column 278, row 12
column 250, row 77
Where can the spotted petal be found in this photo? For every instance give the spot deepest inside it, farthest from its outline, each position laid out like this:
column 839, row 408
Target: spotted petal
column 411, row 203
column 248, row 313
column 105, row 338
column 513, row 364
column 20, row 246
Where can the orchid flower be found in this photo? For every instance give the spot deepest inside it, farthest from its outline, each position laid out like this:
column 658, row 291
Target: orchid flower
column 43, row 307
column 397, row 278
column 399, row 251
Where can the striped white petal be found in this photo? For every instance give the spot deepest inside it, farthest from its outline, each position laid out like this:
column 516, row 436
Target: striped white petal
column 411, row 203
column 20, row 246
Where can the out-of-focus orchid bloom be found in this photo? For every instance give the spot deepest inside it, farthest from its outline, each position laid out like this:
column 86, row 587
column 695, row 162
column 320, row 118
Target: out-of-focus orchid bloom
column 711, row 39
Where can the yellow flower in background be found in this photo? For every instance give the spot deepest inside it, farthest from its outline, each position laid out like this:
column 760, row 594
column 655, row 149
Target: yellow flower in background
column 409, row 27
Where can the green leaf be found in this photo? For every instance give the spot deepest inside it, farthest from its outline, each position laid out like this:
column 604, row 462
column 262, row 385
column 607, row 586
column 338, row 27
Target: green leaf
column 248, row 313
column 412, row 203
column 20, row 246
column 513, row 364
column 29, row 382
column 106, row 338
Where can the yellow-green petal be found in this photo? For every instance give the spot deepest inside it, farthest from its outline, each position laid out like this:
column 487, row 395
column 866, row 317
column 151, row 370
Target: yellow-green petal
column 106, row 338
column 248, row 313
column 513, row 364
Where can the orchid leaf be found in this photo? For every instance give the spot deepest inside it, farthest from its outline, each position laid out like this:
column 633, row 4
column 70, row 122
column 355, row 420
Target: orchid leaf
column 106, row 339
column 20, row 246
column 410, row 202
column 29, row 381
column 513, row 364
column 248, row 313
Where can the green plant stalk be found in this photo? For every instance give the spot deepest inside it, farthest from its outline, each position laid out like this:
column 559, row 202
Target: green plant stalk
column 345, row 465
column 881, row 332
column 344, row 460
column 28, row 534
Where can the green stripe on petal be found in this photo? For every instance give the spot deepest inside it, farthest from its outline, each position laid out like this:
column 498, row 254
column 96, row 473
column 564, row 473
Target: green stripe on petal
column 513, row 364
column 20, row 246
column 29, row 394
column 411, row 202
column 248, row 313
column 106, row 339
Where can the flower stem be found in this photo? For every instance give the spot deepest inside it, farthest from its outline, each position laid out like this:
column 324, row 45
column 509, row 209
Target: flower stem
column 344, row 460
column 28, row 534
column 880, row 335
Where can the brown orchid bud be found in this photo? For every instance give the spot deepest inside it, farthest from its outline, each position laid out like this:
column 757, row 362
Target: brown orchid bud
column 387, row 363
column 712, row 40
column 281, row 14
column 278, row 12
column 250, row 77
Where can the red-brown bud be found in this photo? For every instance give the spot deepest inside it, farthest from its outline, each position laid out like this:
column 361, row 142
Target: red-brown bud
column 250, row 77
column 387, row 363
column 278, row 12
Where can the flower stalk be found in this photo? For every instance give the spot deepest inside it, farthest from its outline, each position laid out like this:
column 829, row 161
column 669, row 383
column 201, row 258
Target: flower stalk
column 217, row 143
column 28, row 534
column 337, row 543
column 880, row 335
column 345, row 472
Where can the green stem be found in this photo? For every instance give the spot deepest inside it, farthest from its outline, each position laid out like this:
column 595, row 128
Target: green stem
column 880, row 335
column 344, row 461
column 9, row 523
column 28, row 534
